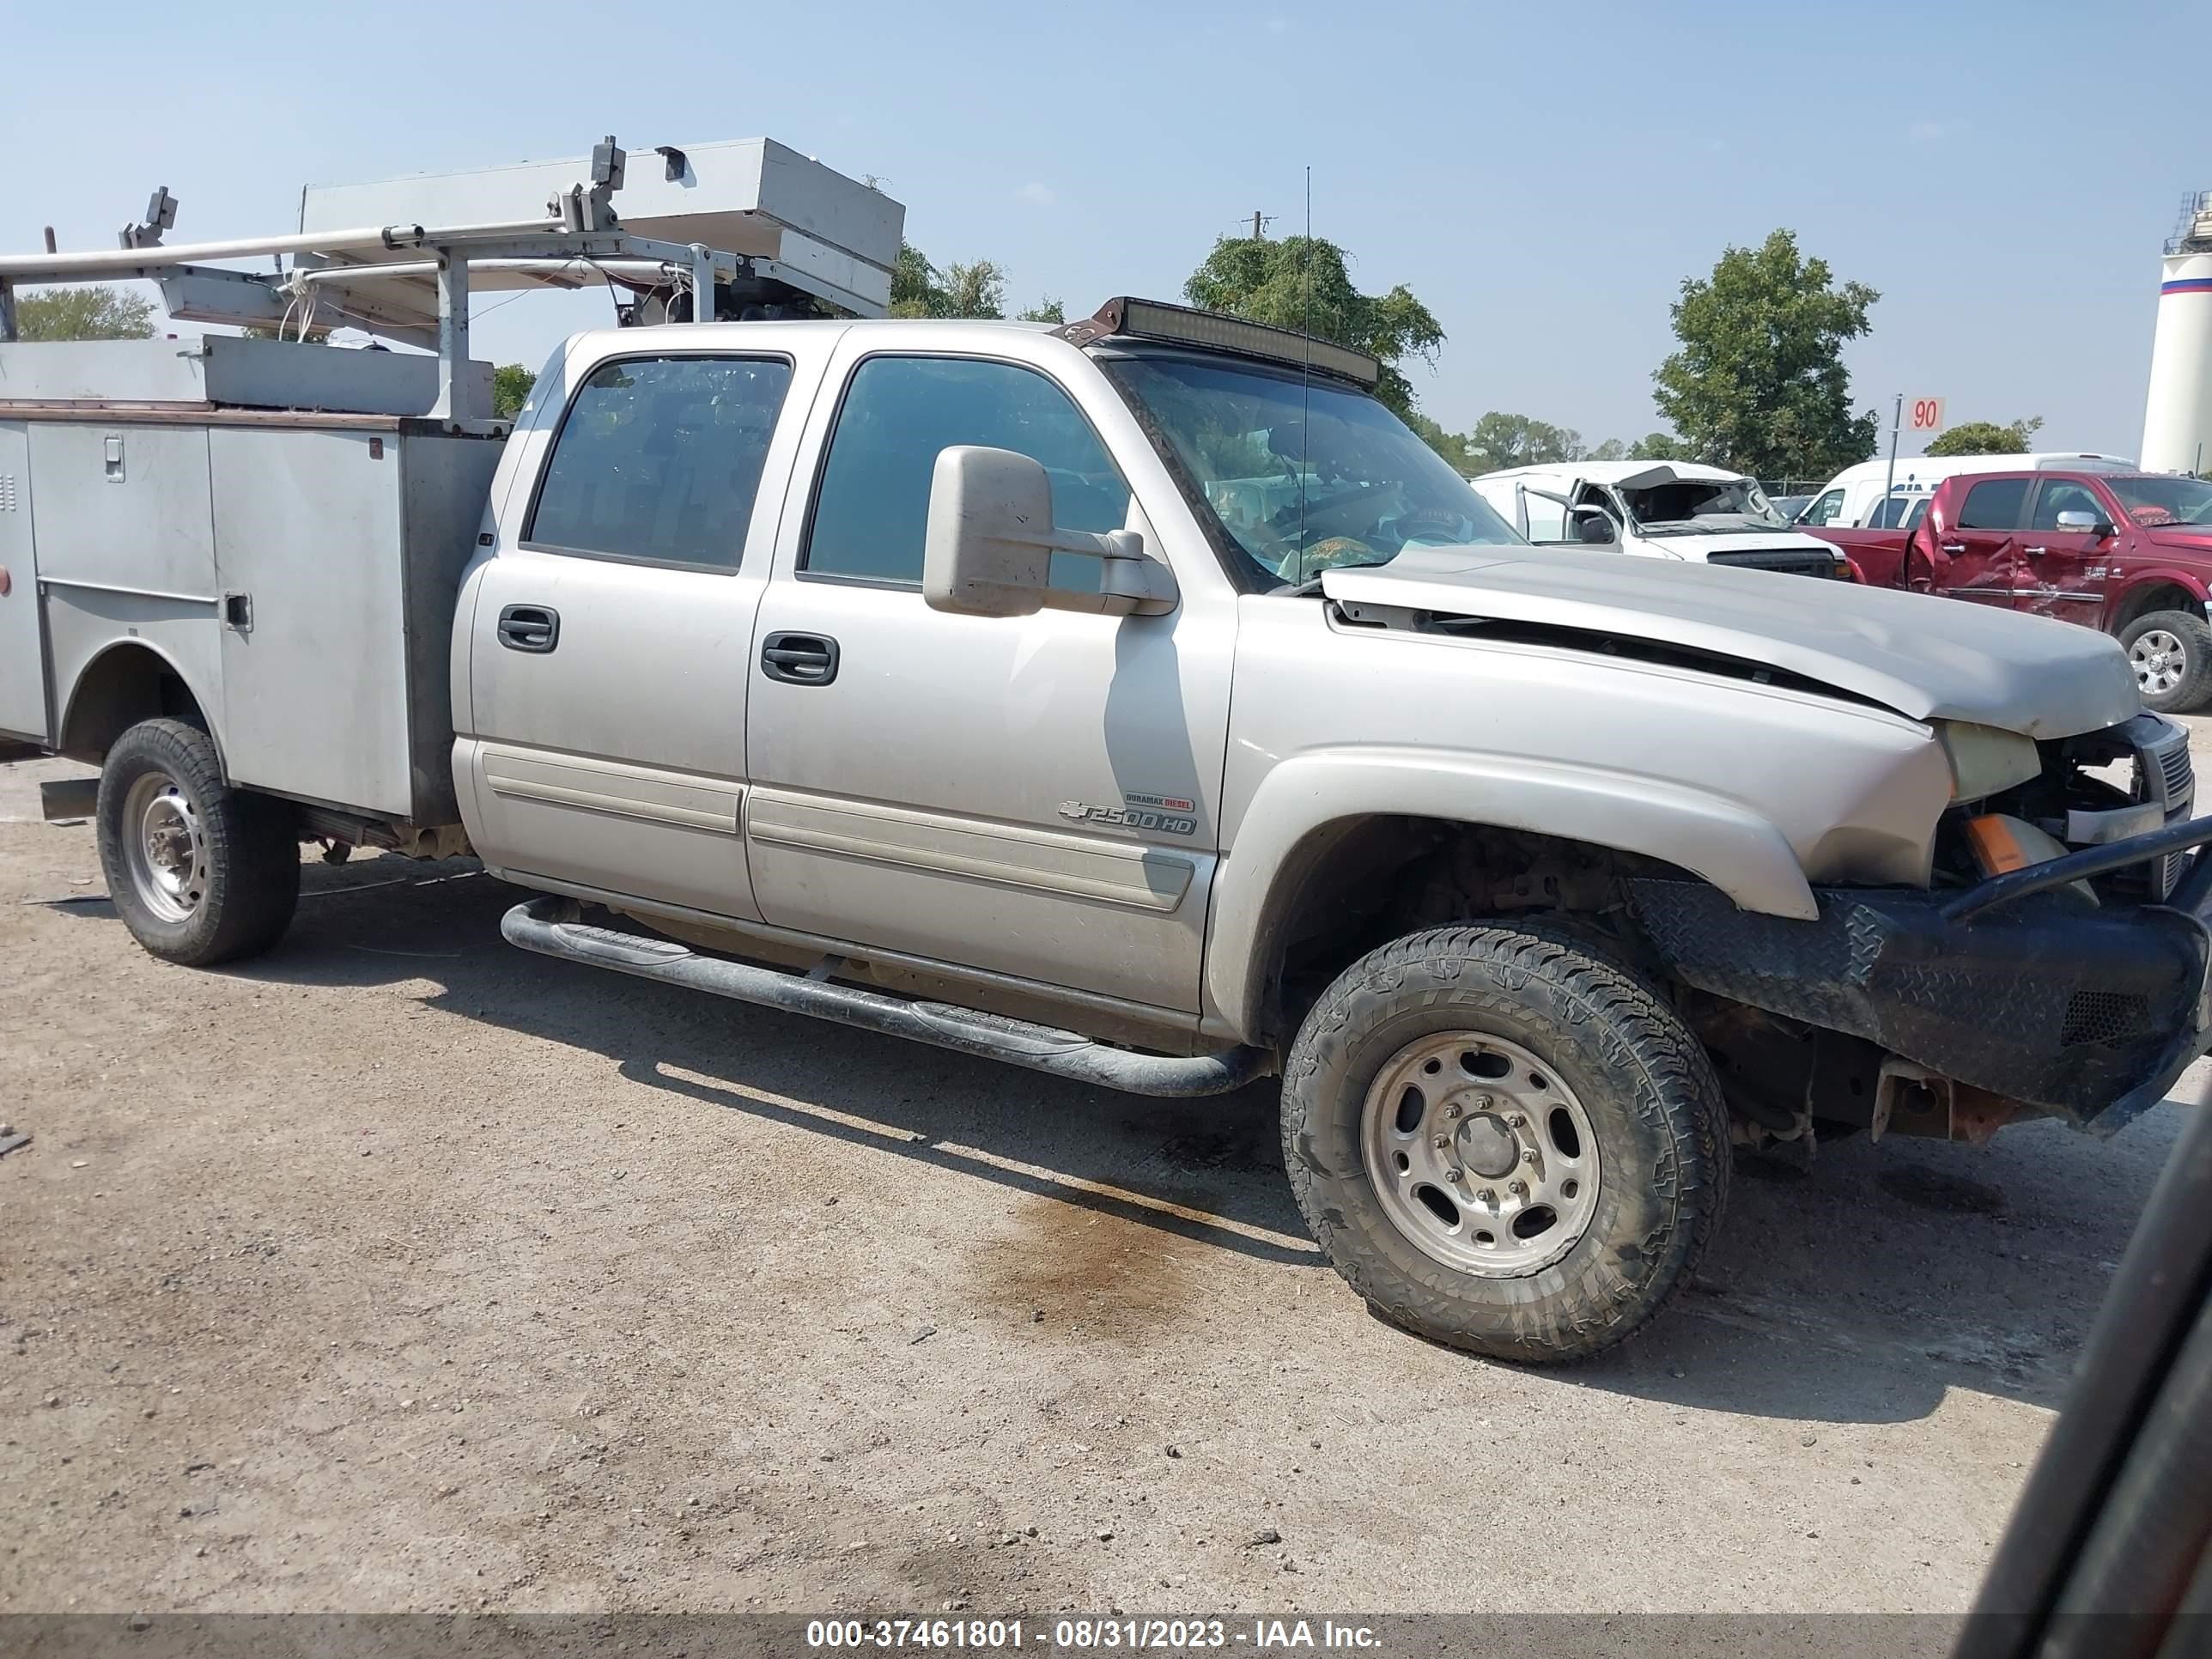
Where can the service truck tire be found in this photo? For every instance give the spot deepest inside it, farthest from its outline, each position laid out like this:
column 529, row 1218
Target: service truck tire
column 2171, row 652
column 1504, row 1142
column 200, row 872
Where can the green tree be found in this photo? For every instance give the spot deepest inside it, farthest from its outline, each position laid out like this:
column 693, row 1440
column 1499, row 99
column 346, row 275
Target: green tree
column 1044, row 311
column 1500, row 440
column 1760, row 383
column 1302, row 283
column 1613, row 449
column 96, row 313
column 1661, row 447
column 510, row 389
column 1986, row 438
column 919, row 288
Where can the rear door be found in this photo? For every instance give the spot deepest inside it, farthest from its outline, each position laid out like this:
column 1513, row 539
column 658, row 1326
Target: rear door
column 610, row 644
column 1976, row 556
column 2064, row 572
column 22, row 654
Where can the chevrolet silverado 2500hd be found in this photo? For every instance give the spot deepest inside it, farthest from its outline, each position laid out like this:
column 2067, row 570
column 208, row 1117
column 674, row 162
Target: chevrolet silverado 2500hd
column 1138, row 700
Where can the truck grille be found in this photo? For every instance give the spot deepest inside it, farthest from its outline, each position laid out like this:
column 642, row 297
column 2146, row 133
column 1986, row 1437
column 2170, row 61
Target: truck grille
column 2164, row 774
column 1789, row 561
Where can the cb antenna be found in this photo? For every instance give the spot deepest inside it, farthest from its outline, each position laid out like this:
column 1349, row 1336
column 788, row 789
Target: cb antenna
column 1305, row 372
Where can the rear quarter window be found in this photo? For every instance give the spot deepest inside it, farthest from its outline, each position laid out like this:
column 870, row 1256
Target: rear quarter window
column 1995, row 504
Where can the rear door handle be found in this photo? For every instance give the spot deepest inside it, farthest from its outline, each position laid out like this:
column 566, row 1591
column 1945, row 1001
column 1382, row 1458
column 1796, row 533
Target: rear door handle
column 799, row 658
column 2035, row 550
column 532, row 628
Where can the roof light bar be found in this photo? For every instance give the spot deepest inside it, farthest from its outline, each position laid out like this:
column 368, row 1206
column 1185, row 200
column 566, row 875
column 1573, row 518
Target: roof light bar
column 1149, row 319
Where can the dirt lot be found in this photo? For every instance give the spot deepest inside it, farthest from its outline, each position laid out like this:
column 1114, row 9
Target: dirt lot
column 404, row 1270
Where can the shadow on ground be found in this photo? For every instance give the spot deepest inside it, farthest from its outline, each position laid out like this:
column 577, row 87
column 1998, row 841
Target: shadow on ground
column 1861, row 1289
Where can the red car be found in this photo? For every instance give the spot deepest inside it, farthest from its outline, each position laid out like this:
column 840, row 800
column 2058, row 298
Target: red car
column 2129, row 552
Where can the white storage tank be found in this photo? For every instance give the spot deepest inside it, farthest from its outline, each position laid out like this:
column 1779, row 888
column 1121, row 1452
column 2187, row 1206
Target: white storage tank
column 2177, row 417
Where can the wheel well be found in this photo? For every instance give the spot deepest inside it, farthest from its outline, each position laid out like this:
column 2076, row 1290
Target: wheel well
column 2158, row 596
column 1357, row 883
column 124, row 685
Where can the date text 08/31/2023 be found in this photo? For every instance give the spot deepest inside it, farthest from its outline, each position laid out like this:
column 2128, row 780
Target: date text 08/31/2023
column 1125, row 1634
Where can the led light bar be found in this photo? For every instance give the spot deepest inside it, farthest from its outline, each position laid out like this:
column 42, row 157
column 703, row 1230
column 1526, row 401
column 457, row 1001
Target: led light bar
column 1149, row 319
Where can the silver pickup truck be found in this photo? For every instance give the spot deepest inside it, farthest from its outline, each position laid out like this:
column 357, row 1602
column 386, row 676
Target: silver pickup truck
column 1138, row 700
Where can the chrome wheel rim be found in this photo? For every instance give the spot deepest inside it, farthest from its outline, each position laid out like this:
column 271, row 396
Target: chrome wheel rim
column 2158, row 658
column 163, row 848
column 1480, row 1154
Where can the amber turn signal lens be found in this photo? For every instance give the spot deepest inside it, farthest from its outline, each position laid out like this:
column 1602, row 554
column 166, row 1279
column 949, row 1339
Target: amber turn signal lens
column 1997, row 849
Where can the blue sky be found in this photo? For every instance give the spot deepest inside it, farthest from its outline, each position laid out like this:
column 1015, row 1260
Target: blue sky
column 1542, row 177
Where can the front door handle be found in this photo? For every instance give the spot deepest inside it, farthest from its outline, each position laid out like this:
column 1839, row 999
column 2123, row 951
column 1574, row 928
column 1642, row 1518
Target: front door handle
column 1953, row 547
column 532, row 628
column 799, row 658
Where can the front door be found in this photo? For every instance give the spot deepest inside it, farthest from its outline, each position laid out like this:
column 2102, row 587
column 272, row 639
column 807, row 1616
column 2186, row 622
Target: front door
column 2063, row 571
column 1976, row 556
column 1035, row 796
column 611, row 641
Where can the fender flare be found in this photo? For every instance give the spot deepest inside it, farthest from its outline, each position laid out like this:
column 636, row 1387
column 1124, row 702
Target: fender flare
column 2158, row 575
column 1743, row 854
column 91, row 668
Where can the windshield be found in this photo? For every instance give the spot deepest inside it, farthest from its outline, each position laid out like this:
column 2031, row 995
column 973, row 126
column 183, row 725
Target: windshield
column 2156, row 501
column 1703, row 507
column 1303, row 477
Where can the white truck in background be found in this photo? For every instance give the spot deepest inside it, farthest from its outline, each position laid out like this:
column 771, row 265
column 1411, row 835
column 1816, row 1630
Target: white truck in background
column 1680, row 510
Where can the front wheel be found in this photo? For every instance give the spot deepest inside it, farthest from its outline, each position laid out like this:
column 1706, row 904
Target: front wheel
column 2171, row 652
column 200, row 872
column 1504, row 1142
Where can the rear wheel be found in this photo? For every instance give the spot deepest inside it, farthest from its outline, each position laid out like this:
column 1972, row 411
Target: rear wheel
column 201, row 873
column 1504, row 1142
column 2171, row 652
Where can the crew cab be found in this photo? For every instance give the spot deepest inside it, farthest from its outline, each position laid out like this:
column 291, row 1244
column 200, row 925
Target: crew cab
column 1138, row 700
column 1678, row 510
column 2129, row 553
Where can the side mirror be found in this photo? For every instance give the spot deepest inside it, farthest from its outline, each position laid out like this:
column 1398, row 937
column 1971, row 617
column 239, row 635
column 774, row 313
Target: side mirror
column 1594, row 526
column 2094, row 524
column 988, row 552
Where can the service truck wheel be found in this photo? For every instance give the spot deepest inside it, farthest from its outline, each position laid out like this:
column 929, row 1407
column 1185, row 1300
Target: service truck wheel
column 1504, row 1142
column 2171, row 652
column 200, row 872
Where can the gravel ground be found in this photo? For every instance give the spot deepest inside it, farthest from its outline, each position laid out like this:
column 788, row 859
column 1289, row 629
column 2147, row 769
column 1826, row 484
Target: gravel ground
column 401, row 1269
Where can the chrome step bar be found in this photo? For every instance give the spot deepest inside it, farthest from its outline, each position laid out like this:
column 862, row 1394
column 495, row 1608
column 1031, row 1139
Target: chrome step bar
column 548, row 926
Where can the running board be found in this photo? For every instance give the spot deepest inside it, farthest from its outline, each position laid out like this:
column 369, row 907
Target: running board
column 539, row 926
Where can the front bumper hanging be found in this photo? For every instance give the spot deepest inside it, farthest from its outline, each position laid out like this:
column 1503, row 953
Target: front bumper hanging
column 2010, row 986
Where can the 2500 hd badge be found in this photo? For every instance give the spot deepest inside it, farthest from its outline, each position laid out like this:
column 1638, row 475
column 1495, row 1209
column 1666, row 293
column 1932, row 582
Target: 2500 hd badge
column 1170, row 815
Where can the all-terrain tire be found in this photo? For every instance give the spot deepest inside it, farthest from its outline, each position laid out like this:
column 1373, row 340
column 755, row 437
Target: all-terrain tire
column 228, row 878
column 1638, row 1078
column 2169, row 686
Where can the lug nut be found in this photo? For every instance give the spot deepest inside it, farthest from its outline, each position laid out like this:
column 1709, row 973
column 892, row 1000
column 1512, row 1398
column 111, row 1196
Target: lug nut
column 1529, row 1156
column 1452, row 1110
column 1452, row 1176
column 1483, row 1103
column 1518, row 1189
column 1517, row 1120
column 1441, row 1142
column 1486, row 1196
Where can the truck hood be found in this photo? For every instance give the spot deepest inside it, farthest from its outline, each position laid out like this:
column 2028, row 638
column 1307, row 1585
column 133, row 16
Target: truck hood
column 1927, row 658
column 1695, row 549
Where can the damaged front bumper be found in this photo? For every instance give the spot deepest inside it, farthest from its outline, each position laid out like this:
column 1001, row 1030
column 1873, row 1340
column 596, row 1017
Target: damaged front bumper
column 2014, row 987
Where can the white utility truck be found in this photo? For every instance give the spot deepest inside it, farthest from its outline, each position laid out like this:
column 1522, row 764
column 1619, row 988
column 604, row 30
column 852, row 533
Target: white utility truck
column 1138, row 700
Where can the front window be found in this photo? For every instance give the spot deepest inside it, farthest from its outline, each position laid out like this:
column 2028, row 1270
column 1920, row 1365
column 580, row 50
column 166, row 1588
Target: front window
column 1302, row 476
column 2155, row 501
column 1703, row 507
column 1824, row 511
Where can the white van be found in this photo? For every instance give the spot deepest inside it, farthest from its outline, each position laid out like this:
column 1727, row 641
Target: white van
column 1851, row 497
column 1660, row 510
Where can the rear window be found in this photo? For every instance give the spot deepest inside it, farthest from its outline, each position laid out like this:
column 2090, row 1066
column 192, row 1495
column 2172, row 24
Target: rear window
column 1995, row 504
column 659, row 458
